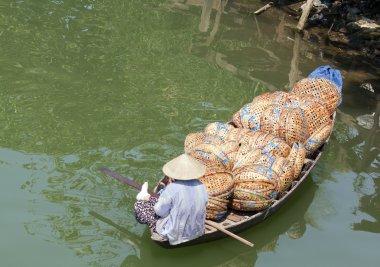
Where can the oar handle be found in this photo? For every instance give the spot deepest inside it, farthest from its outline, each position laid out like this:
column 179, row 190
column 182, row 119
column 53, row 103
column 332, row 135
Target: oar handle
column 218, row 227
column 125, row 180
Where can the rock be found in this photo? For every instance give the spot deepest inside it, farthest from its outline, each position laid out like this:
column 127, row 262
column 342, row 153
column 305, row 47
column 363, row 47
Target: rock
column 367, row 24
column 367, row 86
column 316, row 17
column 343, row 30
column 317, row 4
column 375, row 35
column 336, row 4
column 353, row 14
column 338, row 39
column 366, row 121
column 353, row 11
column 363, row 24
column 352, row 27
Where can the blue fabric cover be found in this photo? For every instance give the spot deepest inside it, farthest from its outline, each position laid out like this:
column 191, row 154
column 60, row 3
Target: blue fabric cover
column 329, row 73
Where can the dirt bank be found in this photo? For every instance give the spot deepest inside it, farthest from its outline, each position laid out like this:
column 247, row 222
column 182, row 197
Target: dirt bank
column 351, row 25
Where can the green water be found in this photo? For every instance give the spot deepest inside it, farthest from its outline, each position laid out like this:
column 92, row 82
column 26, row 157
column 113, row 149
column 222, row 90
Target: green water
column 85, row 84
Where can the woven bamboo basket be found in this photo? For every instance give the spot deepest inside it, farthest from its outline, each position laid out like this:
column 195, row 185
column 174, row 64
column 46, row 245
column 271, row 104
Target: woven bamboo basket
column 296, row 158
column 250, row 114
column 265, row 160
column 216, row 208
column 294, row 101
column 219, row 129
column 248, row 159
column 258, row 172
column 300, row 160
column 245, row 114
column 318, row 138
column 277, row 146
column 246, row 145
column 218, row 183
column 192, row 140
column 281, row 98
column 270, row 119
column 215, row 215
column 236, row 134
column 220, row 186
column 227, row 153
column 286, row 172
column 253, row 140
column 262, row 97
column 216, row 156
column 255, row 172
column 248, row 205
column 236, row 120
column 323, row 89
column 250, row 137
column 213, row 139
column 263, row 189
column 217, row 204
column 277, row 165
column 233, row 135
column 277, row 97
column 290, row 127
column 314, row 113
column 208, row 155
column 262, row 139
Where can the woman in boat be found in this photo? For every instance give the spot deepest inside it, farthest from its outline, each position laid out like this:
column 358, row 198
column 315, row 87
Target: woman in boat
column 180, row 212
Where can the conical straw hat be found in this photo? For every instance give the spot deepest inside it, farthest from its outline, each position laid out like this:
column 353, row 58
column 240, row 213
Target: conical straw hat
column 184, row 167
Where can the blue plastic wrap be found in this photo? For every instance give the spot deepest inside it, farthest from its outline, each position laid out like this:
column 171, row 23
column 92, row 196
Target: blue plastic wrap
column 333, row 75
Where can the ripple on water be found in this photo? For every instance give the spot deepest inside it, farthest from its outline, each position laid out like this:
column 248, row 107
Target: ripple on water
column 73, row 191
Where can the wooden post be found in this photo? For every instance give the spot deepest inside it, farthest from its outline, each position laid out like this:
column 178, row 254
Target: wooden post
column 261, row 10
column 294, row 72
column 205, row 16
column 305, row 14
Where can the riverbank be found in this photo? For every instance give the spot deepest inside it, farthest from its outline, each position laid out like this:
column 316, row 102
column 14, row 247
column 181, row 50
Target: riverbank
column 350, row 25
column 336, row 34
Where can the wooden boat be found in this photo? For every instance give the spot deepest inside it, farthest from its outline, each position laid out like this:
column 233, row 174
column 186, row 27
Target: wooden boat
column 237, row 221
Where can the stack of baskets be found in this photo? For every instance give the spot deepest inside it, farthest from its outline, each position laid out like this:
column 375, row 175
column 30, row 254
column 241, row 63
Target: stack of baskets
column 216, row 147
column 260, row 176
column 256, row 158
column 266, row 141
column 294, row 116
column 256, row 182
column 322, row 90
column 219, row 186
column 318, row 138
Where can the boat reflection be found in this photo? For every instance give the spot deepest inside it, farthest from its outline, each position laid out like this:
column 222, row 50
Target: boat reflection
column 289, row 221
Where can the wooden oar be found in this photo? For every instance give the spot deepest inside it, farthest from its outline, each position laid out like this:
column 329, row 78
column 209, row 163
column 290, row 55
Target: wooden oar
column 217, row 226
column 132, row 183
column 126, row 180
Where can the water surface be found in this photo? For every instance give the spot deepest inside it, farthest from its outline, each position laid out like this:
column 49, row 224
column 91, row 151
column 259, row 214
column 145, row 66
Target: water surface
column 85, row 84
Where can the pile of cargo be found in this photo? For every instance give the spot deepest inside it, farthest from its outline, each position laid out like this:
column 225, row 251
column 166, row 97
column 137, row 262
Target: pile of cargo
column 255, row 158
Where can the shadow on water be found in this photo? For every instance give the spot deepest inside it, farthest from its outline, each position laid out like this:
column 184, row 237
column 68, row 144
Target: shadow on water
column 365, row 145
column 357, row 149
